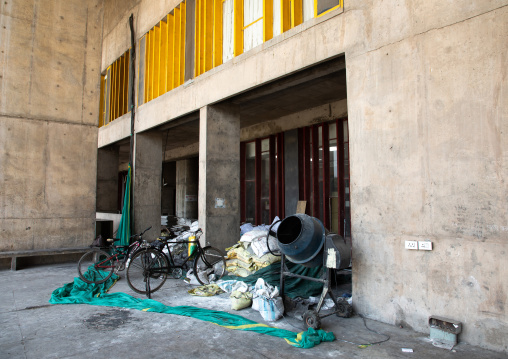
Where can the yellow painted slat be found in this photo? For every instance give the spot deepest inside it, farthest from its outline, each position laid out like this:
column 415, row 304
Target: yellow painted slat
column 296, row 12
column 267, row 19
column 156, row 61
column 183, row 18
column 208, row 17
column 147, row 68
column 150, row 66
column 202, row 35
column 163, row 58
column 126, row 81
column 114, row 101
column 238, row 27
column 285, row 12
column 217, row 33
column 108, row 94
column 170, row 60
column 176, row 48
column 123, row 82
column 101, row 103
column 197, row 37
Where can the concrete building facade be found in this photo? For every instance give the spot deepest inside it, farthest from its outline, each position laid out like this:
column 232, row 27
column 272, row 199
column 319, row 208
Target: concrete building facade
column 388, row 117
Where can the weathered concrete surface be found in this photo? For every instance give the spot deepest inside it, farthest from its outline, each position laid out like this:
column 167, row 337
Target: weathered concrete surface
column 107, row 179
column 219, row 175
column 49, row 64
column 187, row 184
column 427, row 114
column 429, row 149
column 116, row 24
column 147, row 183
column 47, row 184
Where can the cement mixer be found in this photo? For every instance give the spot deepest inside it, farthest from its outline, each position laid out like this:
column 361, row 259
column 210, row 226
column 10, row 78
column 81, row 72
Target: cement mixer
column 302, row 239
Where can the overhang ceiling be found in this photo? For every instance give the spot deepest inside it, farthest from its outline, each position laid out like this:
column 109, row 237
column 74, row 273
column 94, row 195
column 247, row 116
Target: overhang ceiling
column 308, row 88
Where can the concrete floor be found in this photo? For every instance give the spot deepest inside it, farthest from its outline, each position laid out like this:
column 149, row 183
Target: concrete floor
column 32, row 328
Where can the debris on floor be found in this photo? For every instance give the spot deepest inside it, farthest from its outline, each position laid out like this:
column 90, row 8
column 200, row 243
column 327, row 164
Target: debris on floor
column 207, row 290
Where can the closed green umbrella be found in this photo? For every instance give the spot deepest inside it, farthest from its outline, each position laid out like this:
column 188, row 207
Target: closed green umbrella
column 124, row 229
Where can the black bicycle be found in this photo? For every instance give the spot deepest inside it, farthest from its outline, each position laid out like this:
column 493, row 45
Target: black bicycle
column 98, row 264
column 149, row 268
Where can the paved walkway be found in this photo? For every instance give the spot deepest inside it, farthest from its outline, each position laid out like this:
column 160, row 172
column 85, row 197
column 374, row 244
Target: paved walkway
column 32, row 328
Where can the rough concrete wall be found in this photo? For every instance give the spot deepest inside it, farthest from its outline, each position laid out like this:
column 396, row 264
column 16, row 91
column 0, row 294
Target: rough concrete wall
column 50, row 67
column 428, row 143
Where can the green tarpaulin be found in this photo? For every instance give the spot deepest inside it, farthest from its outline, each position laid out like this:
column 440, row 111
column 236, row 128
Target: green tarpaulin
column 79, row 292
column 293, row 287
column 124, row 229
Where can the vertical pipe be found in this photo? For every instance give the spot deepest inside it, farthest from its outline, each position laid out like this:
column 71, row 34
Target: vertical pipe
column 272, row 192
column 258, row 181
column 326, row 176
column 242, row 182
column 133, row 97
column 315, row 171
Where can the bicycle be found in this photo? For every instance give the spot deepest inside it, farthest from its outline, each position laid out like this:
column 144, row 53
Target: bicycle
column 149, row 268
column 98, row 264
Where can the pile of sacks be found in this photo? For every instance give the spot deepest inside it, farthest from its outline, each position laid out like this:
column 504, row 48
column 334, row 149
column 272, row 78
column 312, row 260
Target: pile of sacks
column 262, row 296
column 251, row 254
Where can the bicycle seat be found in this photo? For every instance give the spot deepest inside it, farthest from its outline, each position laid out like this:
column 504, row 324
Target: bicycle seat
column 111, row 240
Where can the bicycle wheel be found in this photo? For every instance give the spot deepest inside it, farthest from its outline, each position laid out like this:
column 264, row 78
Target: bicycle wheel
column 95, row 266
column 210, row 265
column 147, row 263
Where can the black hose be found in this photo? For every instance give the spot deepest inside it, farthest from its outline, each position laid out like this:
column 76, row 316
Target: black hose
column 273, row 234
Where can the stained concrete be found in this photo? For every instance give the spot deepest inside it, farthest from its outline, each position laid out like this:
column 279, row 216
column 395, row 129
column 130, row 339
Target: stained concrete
column 32, row 328
column 50, row 67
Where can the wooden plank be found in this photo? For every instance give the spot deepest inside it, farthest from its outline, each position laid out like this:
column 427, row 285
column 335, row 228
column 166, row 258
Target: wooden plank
column 301, row 207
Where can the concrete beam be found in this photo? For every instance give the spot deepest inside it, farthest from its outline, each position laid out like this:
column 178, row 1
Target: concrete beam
column 219, row 179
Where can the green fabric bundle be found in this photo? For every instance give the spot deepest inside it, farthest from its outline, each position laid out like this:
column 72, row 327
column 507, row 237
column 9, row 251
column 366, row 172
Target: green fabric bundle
column 293, row 287
column 79, row 292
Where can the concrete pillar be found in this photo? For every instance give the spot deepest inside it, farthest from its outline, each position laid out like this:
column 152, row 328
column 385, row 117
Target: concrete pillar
column 107, row 179
column 219, row 175
column 147, row 183
column 187, row 184
column 168, row 188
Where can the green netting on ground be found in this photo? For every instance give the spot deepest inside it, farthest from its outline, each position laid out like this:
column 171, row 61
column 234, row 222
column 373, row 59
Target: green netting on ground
column 79, row 292
column 293, row 287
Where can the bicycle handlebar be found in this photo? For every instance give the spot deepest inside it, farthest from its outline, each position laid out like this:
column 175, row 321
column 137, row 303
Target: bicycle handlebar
column 139, row 235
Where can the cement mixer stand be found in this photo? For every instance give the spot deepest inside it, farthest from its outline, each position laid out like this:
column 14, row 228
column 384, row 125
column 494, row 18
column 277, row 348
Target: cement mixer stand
column 312, row 318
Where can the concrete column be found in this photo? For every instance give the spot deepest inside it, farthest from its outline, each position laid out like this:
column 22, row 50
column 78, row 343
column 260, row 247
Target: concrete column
column 219, row 175
column 187, row 183
column 147, row 183
column 107, row 179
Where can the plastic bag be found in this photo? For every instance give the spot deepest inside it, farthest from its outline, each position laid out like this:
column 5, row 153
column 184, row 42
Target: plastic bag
column 271, row 309
column 240, row 300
